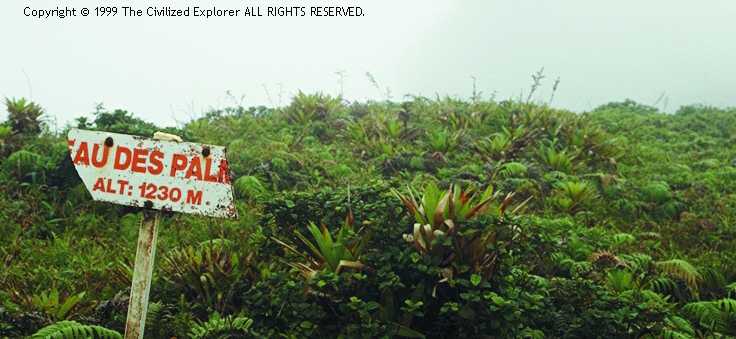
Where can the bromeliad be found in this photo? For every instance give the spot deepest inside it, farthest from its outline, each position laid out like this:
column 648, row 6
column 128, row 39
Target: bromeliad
column 439, row 229
column 326, row 253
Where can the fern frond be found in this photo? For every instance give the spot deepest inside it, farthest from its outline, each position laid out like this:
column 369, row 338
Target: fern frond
column 622, row 239
column 682, row 270
column 637, row 261
column 153, row 316
column 662, row 285
column 680, row 325
column 670, row 334
column 727, row 305
column 227, row 327
column 731, row 288
column 706, row 312
column 712, row 277
column 74, row 330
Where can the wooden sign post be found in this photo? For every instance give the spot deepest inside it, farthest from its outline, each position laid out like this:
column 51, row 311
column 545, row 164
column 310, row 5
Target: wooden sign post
column 142, row 274
column 160, row 173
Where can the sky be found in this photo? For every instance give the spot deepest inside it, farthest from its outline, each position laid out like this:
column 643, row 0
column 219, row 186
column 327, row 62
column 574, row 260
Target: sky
column 664, row 53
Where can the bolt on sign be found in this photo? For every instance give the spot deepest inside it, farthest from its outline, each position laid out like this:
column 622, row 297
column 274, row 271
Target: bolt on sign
column 164, row 175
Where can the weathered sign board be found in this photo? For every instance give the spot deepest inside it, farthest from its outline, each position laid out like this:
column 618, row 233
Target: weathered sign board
column 164, row 175
column 160, row 173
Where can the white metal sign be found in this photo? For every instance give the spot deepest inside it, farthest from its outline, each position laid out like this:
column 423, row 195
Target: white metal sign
column 164, row 175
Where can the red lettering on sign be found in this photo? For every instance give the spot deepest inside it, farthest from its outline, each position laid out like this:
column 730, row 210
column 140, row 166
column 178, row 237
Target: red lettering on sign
column 194, row 197
column 99, row 185
column 207, row 169
column 123, row 185
column 121, row 164
column 70, row 144
column 96, row 162
column 223, row 176
column 82, row 156
column 195, row 169
column 109, row 186
column 178, row 163
column 139, row 160
column 156, row 162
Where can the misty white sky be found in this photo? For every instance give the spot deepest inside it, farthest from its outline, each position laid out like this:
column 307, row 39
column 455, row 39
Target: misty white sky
column 173, row 69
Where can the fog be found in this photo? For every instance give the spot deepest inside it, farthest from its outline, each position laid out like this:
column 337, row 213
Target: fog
column 168, row 70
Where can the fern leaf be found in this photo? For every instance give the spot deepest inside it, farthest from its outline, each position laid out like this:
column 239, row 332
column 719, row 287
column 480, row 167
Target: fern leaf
column 227, row 327
column 73, row 330
column 623, row 238
column 727, row 305
column 662, row 285
column 731, row 288
column 706, row 312
column 154, row 313
column 683, row 270
column 637, row 261
column 680, row 325
column 670, row 334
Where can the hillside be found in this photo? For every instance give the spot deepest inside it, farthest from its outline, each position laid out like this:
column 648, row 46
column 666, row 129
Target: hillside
column 430, row 217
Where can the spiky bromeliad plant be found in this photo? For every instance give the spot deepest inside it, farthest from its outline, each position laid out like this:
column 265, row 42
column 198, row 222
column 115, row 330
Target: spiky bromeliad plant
column 494, row 147
column 505, row 144
column 439, row 231
column 573, row 196
column 56, row 307
column 328, row 253
column 207, row 274
column 557, row 160
column 443, row 141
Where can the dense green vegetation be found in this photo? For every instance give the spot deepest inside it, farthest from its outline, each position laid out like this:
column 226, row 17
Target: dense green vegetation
column 437, row 218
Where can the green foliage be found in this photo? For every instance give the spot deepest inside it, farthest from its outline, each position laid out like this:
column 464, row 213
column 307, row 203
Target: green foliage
column 441, row 233
column 620, row 281
column 249, row 186
column 557, row 160
column 512, row 169
column 436, row 206
column 306, row 108
column 336, row 254
column 682, row 270
column 573, row 196
column 506, row 144
column 5, row 132
column 494, row 147
column 218, row 327
column 208, row 274
column 531, row 222
column 714, row 315
column 121, row 121
column 677, row 328
column 51, row 304
column 23, row 116
column 443, row 141
column 656, row 192
column 731, row 289
column 23, row 164
column 74, row 330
